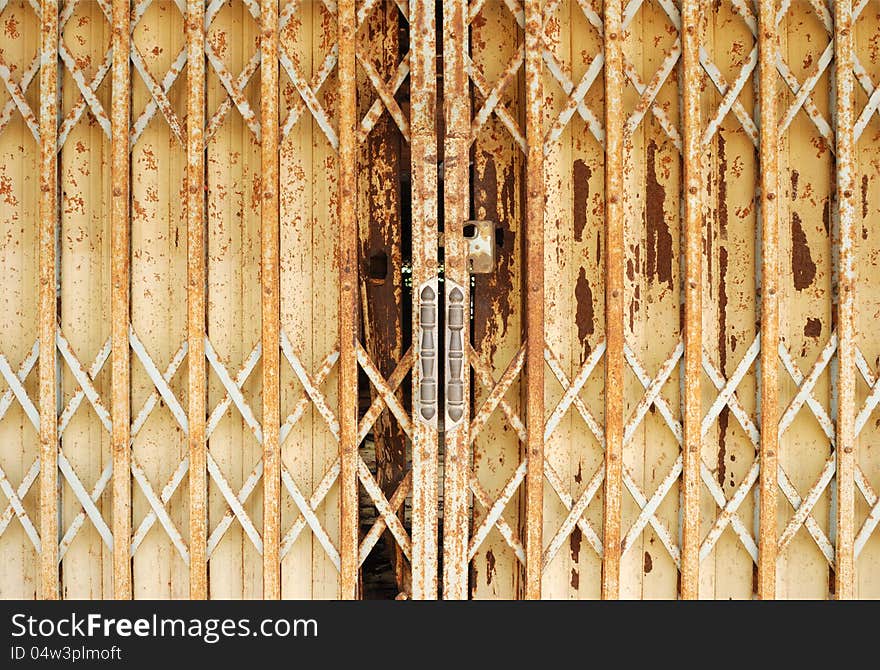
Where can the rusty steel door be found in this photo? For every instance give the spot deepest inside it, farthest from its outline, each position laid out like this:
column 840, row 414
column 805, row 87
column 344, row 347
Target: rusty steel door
column 398, row 298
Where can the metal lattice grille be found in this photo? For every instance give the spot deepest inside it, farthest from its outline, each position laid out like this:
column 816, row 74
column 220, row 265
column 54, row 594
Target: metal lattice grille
column 237, row 359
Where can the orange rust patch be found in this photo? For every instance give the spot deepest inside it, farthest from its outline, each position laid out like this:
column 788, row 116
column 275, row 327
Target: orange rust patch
column 585, row 316
column 803, row 268
column 659, row 253
column 581, row 184
column 10, row 28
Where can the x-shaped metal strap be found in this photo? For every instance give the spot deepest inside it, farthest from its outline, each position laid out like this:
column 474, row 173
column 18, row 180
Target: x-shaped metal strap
column 491, row 95
column 16, row 95
column 158, row 90
column 385, row 91
column 652, row 396
column 495, row 508
column 803, row 92
column 311, row 392
column 729, row 92
column 86, row 389
column 88, row 90
column 862, row 76
column 234, row 86
column 576, row 509
column 15, row 380
column 803, row 507
column 727, row 398
column 307, row 90
column 161, row 389
column 18, row 91
column 575, row 93
column 862, row 482
column 385, row 395
column 386, row 391
column 235, row 502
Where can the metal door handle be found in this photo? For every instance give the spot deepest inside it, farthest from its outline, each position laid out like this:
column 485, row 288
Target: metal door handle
column 428, row 313
column 455, row 316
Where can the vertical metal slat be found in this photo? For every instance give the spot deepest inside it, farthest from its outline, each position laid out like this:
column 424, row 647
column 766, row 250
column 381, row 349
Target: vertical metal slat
column 534, row 299
column 195, row 232
column 614, row 314
column 424, row 243
column 347, row 258
column 456, row 203
column 846, row 371
column 47, row 299
column 120, row 300
column 693, row 331
column 769, row 154
column 270, row 299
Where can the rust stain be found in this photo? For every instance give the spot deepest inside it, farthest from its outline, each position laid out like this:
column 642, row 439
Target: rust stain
column 381, row 292
column 724, row 415
column 722, row 187
column 582, row 174
column 864, row 196
column 575, row 541
column 575, row 579
column 493, row 310
column 649, row 564
column 490, row 566
column 584, row 317
column 10, row 27
column 6, row 191
column 659, row 256
column 803, row 268
column 826, row 217
column 721, row 213
column 813, row 327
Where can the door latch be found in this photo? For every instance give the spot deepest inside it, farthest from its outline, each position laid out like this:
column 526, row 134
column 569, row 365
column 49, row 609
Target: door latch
column 455, row 316
column 480, row 236
column 429, row 307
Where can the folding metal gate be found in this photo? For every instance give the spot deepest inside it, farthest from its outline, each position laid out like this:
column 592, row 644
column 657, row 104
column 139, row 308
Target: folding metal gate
column 493, row 299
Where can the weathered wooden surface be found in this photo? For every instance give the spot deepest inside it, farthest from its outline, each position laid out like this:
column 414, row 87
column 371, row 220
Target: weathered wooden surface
column 354, row 229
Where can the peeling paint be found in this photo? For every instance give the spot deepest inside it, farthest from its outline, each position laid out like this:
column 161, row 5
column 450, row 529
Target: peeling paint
column 659, row 238
column 803, row 269
column 585, row 318
column 581, row 185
